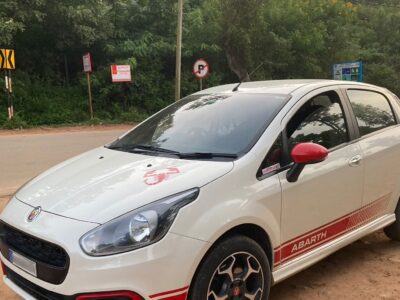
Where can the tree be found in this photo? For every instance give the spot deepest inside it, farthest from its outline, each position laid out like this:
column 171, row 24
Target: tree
column 14, row 15
column 291, row 39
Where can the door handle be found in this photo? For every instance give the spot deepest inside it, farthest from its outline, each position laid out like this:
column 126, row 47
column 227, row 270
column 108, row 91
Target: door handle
column 355, row 161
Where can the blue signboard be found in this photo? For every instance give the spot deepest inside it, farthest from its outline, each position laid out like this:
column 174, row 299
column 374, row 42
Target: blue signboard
column 350, row 71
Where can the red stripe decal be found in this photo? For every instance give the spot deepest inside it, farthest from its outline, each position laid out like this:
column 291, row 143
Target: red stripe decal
column 322, row 235
column 176, row 297
column 111, row 295
column 171, row 292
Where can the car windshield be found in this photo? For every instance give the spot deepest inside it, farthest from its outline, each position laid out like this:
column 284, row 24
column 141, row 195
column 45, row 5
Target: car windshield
column 205, row 126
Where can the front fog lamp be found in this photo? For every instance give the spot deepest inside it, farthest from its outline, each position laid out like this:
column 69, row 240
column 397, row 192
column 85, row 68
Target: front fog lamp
column 138, row 228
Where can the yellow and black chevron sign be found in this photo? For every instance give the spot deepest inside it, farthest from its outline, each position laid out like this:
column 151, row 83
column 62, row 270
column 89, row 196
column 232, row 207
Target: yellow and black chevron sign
column 7, row 59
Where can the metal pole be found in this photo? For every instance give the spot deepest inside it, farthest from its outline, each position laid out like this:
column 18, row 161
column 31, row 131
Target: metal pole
column 178, row 51
column 8, row 94
column 11, row 91
column 201, row 84
column 90, row 95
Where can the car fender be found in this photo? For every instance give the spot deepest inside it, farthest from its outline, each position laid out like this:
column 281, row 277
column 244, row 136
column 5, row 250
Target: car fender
column 218, row 210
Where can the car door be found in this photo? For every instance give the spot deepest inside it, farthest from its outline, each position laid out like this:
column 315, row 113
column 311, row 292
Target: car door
column 319, row 207
column 379, row 139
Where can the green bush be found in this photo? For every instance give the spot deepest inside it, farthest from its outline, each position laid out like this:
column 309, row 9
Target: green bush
column 95, row 121
column 15, row 123
column 3, row 117
column 133, row 116
column 41, row 103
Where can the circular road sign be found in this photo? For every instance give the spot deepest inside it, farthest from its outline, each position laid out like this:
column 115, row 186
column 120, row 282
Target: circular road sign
column 201, row 69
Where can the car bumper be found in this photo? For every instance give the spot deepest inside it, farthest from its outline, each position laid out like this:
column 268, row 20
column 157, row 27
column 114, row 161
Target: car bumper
column 160, row 271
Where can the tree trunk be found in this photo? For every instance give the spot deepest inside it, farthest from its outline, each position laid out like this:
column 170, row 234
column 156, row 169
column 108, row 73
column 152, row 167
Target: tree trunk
column 236, row 62
column 66, row 70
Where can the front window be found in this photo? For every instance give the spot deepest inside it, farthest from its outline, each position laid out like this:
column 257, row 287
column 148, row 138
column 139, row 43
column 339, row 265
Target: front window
column 321, row 120
column 222, row 123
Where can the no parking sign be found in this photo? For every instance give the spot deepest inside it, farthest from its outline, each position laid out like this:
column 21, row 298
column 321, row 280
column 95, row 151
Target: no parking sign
column 201, row 69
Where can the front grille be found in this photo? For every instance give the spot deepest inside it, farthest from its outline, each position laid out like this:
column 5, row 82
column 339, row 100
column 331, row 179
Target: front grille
column 52, row 262
column 34, row 248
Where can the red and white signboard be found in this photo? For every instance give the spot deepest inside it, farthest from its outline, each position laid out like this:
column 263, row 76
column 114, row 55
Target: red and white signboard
column 201, row 69
column 121, row 73
column 87, row 63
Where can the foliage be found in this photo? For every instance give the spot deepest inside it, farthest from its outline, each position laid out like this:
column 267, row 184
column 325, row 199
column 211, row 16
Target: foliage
column 291, row 39
column 14, row 123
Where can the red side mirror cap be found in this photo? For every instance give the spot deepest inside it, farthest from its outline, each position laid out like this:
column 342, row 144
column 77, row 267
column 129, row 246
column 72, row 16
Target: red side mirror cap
column 309, row 153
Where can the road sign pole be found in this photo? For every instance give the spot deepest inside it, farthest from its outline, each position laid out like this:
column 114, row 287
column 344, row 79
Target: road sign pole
column 87, row 68
column 201, row 84
column 90, row 95
column 10, row 93
column 7, row 62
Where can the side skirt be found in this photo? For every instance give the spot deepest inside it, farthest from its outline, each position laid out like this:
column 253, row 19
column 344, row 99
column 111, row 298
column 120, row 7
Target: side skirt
column 302, row 262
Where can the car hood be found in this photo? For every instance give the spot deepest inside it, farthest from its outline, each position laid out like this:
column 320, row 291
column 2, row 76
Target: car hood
column 103, row 184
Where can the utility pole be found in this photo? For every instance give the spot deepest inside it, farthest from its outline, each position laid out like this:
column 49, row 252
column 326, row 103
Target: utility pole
column 178, row 68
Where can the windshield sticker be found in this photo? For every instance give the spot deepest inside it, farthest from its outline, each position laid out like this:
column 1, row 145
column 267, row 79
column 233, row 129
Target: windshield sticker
column 157, row 176
column 271, row 169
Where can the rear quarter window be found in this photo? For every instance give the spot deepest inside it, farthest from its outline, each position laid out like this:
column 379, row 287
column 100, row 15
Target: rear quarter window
column 372, row 111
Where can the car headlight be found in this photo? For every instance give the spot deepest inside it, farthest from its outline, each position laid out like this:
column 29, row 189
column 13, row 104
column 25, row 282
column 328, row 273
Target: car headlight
column 138, row 228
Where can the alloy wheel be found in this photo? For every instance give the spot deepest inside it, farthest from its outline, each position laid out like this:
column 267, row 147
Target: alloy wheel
column 238, row 277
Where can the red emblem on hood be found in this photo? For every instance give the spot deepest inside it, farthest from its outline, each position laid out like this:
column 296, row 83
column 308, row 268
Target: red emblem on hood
column 157, row 176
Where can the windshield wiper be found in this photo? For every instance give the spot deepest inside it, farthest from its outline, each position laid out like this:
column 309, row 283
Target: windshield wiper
column 149, row 148
column 206, row 155
column 190, row 155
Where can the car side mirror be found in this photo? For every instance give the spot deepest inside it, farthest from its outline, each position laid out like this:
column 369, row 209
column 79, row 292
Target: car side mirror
column 305, row 154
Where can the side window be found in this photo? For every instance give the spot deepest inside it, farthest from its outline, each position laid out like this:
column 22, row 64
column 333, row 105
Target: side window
column 372, row 110
column 321, row 120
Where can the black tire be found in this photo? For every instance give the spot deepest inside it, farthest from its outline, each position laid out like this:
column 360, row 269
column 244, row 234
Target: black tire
column 393, row 230
column 233, row 251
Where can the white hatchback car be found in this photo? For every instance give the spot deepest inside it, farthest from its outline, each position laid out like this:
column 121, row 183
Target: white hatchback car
column 218, row 196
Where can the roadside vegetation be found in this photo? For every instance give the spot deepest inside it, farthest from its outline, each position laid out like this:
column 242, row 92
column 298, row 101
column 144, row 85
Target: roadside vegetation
column 293, row 38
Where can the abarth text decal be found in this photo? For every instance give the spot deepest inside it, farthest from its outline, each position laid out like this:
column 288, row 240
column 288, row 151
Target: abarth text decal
column 320, row 236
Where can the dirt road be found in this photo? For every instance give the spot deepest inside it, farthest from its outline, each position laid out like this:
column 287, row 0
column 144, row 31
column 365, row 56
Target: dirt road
column 24, row 154
column 367, row 269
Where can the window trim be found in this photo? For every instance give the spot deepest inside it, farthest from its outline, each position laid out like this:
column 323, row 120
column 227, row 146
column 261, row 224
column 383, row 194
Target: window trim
column 394, row 101
column 360, row 137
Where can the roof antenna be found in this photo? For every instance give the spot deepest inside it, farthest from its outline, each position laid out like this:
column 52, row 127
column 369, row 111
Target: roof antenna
column 236, row 88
